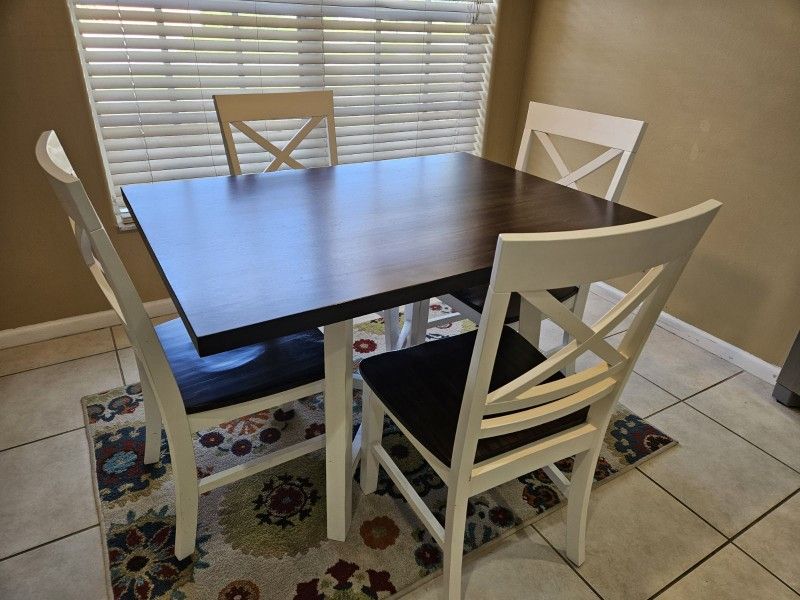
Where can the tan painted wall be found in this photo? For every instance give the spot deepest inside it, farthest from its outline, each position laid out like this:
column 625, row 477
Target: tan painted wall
column 42, row 276
column 717, row 81
column 512, row 35
column 719, row 85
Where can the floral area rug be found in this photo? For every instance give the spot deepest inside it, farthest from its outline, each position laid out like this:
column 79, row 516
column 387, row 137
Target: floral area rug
column 264, row 537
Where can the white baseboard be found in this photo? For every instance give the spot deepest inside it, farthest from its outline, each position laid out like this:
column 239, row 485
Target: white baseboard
column 71, row 325
column 742, row 359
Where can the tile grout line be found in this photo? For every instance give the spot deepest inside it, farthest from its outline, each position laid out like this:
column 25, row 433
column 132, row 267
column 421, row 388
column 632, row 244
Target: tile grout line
column 744, row 438
column 47, row 437
column 729, row 540
column 58, row 337
column 690, row 569
column 705, row 389
column 114, row 348
column 775, row 507
column 114, row 339
column 733, row 537
column 682, row 503
column 707, row 558
column 660, row 410
column 680, row 400
column 743, row 551
column 565, row 559
column 763, row 566
column 119, row 368
column 663, row 389
column 58, row 539
column 61, row 362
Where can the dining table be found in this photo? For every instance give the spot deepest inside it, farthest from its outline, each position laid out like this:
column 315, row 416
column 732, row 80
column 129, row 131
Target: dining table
column 253, row 257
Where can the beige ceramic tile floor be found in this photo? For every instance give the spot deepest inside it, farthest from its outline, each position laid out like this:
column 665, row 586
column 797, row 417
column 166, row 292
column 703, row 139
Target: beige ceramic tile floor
column 716, row 517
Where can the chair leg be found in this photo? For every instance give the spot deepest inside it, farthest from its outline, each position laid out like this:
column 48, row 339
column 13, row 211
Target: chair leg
column 419, row 321
column 455, row 523
column 580, row 487
column 152, row 418
column 371, row 433
column 184, row 469
column 391, row 327
column 405, row 330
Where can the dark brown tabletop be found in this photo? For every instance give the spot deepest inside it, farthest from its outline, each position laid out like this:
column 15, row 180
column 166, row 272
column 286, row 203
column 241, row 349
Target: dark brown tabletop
column 253, row 257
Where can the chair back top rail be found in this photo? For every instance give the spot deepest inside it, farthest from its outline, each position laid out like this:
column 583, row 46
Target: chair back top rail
column 620, row 135
column 233, row 110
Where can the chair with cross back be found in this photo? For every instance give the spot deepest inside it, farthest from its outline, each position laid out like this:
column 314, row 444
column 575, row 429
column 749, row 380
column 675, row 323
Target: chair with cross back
column 620, row 136
column 485, row 407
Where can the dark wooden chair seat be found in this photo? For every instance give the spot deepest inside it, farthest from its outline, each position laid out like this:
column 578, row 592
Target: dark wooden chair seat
column 243, row 374
column 475, row 298
column 423, row 387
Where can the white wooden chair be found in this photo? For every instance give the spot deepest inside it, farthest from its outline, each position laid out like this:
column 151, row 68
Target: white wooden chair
column 234, row 110
column 518, row 412
column 184, row 391
column 621, row 136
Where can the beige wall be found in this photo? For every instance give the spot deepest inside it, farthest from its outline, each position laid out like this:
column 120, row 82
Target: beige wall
column 719, row 85
column 512, row 36
column 42, row 276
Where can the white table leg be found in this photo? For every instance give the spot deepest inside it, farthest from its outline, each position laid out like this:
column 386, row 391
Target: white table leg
column 391, row 325
column 419, row 322
column 339, row 427
column 405, row 330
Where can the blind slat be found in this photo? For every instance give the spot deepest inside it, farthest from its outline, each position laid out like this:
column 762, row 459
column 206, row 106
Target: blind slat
column 184, row 106
column 181, row 50
column 192, row 146
column 98, row 35
column 367, row 21
column 427, row 8
column 444, row 84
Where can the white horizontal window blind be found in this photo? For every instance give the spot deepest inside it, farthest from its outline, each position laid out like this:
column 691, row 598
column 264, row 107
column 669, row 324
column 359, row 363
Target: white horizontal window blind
column 409, row 77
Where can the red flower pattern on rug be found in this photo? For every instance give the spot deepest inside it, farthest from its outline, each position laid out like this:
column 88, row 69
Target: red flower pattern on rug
column 365, row 346
column 379, row 533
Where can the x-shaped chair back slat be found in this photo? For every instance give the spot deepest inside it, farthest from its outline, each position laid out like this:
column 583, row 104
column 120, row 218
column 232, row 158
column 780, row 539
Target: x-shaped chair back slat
column 621, row 137
column 234, row 110
column 530, row 264
column 528, row 391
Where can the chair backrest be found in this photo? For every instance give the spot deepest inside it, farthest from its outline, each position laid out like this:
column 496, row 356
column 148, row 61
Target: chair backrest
column 233, row 110
column 109, row 272
column 530, row 264
column 621, row 136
